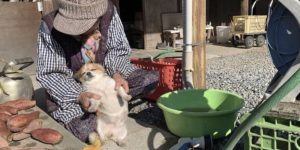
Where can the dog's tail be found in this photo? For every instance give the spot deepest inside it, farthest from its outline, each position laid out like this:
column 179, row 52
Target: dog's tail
column 94, row 141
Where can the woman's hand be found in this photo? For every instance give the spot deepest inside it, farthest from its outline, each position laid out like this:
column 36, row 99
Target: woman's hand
column 120, row 81
column 85, row 97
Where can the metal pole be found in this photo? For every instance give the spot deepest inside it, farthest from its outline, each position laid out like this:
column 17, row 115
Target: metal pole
column 188, row 39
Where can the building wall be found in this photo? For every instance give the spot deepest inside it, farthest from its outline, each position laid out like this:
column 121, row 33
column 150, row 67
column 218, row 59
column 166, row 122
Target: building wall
column 222, row 11
column 152, row 19
column 219, row 11
column 19, row 24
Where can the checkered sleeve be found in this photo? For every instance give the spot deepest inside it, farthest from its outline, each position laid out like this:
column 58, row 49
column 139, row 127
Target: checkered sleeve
column 117, row 58
column 54, row 75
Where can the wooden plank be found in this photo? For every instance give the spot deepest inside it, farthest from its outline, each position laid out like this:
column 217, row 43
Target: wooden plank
column 49, row 6
column 199, row 37
column 256, row 23
column 244, row 7
column 286, row 110
column 250, row 24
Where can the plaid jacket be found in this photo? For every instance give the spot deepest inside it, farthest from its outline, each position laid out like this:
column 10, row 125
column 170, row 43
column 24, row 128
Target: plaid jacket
column 54, row 75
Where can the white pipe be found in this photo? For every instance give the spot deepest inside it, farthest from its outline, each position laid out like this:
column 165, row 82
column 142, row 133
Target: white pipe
column 40, row 6
column 269, row 11
column 188, row 47
column 253, row 5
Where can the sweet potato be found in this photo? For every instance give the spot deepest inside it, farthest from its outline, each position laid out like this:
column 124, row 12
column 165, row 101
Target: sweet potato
column 2, row 124
column 31, row 148
column 8, row 109
column 4, row 117
column 4, row 131
column 4, row 112
column 20, row 104
column 3, row 142
column 34, row 124
column 47, row 135
column 19, row 122
column 18, row 136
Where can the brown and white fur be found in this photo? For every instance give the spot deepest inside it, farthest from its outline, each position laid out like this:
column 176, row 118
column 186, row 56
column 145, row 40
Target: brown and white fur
column 112, row 108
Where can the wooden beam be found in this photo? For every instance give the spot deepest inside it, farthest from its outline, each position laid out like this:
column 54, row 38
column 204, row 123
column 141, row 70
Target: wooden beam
column 245, row 7
column 179, row 6
column 49, row 6
column 199, row 37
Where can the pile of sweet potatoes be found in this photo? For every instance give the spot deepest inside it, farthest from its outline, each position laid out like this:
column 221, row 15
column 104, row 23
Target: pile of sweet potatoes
column 15, row 126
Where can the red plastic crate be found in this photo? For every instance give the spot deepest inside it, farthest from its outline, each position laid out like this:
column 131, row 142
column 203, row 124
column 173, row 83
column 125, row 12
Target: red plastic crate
column 170, row 73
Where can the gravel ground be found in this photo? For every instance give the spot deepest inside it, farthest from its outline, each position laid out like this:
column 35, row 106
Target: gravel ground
column 247, row 74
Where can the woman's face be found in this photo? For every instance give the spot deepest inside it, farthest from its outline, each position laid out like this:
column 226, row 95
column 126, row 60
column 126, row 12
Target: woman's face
column 83, row 37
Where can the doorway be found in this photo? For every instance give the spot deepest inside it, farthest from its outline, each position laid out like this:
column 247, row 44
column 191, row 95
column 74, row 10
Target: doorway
column 131, row 13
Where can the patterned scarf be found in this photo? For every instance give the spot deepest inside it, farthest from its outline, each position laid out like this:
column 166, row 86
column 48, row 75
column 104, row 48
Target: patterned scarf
column 89, row 48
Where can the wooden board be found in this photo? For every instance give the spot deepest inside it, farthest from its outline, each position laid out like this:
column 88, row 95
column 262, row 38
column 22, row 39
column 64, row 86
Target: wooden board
column 69, row 142
column 286, row 110
column 249, row 24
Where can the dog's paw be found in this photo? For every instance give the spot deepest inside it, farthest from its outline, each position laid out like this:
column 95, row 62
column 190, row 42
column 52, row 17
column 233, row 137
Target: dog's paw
column 128, row 97
column 92, row 109
column 94, row 105
column 95, row 143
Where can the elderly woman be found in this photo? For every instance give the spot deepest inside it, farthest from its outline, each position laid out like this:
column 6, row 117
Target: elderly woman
column 84, row 31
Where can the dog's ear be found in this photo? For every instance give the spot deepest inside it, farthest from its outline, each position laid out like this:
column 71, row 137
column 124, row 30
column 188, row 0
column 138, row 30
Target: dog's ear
column 100, row 67
column 77, row 75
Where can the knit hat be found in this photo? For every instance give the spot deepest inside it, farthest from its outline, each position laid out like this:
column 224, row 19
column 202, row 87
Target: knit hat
column 75, row 17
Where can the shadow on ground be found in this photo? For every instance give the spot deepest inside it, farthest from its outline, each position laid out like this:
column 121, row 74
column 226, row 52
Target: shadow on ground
column 167, row 144
column 40, row 96
column 152, row 117
column 229, row 44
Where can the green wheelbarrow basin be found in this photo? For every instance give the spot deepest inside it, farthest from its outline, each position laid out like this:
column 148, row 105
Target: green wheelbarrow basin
column 196, row 112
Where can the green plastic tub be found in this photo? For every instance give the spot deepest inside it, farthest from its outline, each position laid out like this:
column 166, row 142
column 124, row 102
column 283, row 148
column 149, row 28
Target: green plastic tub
column 195, row 113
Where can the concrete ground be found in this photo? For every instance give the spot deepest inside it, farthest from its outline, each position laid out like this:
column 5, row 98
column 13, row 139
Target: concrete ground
column 17, row 42
column 140, row 135
column 163, row 137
